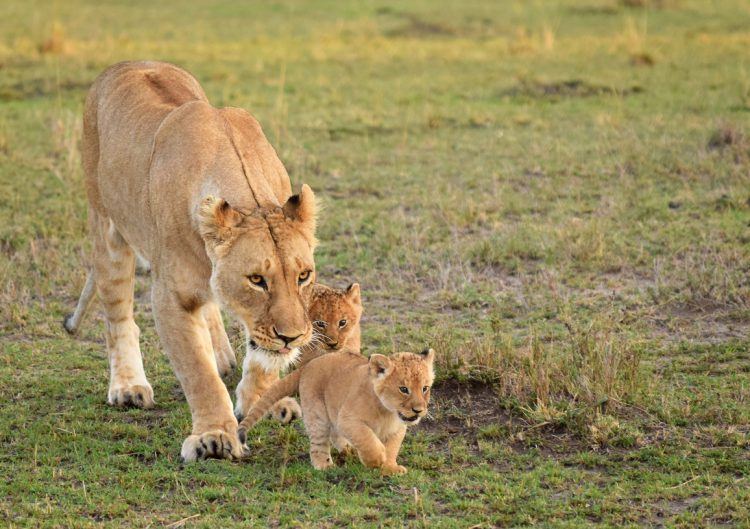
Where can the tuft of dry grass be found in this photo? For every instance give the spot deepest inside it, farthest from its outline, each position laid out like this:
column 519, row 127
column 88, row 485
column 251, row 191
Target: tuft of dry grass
column 590, row 368
column 56, row 43
column 727, row 135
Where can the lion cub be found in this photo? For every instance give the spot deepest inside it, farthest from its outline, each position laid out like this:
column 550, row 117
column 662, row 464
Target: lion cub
column 335, row 315
column 348, row 400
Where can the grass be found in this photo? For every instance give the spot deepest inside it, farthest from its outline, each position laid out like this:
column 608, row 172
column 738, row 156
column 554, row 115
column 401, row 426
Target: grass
column 554, row 195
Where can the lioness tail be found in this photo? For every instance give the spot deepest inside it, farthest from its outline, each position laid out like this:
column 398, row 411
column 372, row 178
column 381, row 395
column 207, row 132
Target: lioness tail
column 73, row 321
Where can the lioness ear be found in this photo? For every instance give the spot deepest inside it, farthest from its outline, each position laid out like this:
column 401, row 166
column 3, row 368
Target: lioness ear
column 216, row 218
column 428, row 355
column 301, row 208
column 379, row 365
column 353, row 295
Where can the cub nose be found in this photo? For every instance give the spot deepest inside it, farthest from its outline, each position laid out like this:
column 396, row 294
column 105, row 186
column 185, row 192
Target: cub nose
column 286, row 339
column 417, row 410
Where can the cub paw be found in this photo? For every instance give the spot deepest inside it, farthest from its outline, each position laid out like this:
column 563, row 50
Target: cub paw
column 139, row 396
column 321, row 461
column 342, row 445
column 286, row 410
column 214, row 444
column 392, row 470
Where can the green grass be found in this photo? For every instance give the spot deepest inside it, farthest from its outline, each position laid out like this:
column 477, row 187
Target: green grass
column 555, row 195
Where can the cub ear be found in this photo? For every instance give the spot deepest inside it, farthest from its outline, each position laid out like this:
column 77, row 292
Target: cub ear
column 301, row 208
column 353, row 294
column 428, row 355
column 216, row 218
column 380, row 365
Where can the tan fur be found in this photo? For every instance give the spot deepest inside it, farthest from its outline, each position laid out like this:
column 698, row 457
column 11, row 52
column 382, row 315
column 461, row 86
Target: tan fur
column 348, row 400
column 328, row 307
column 200, row 193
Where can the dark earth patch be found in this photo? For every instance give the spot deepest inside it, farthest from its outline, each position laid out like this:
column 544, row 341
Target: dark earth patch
column 566, row 89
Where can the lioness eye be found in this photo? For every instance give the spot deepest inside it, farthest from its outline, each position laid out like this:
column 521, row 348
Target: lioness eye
column 320, row 324
column 258, row 281
column 425, row 389
column 404, row 390
column 304, row 276
column 342, row 324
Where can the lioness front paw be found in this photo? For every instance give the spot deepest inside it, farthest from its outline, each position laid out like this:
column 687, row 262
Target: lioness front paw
column 286, row 410
column 391, row 470
column 139, row 395
column 216, row 444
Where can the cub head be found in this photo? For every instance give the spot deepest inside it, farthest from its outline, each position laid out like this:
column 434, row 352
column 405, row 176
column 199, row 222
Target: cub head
column 335, row 316
column 402, row 382
column 263, row 271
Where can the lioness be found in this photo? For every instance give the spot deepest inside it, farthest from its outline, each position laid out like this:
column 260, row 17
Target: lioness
column 350, row 401
column 201, row 194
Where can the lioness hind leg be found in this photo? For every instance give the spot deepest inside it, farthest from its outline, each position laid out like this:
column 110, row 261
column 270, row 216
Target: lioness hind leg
column 223, row 352
column 114, row 268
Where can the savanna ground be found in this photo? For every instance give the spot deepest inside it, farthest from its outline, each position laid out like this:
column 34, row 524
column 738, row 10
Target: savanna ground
column 555, row 195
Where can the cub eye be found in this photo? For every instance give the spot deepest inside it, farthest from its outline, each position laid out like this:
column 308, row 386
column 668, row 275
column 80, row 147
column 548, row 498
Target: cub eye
column 304, row 276
column 342, row 324
column 258, row 281
column 320, row 324
column 425, row 389
column 404, row 390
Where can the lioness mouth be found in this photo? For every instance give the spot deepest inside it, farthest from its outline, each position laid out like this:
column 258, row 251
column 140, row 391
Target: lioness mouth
column 272, row 360
column 283, row 350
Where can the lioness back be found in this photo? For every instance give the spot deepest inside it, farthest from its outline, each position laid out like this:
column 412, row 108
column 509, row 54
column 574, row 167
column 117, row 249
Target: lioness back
column 141, row 94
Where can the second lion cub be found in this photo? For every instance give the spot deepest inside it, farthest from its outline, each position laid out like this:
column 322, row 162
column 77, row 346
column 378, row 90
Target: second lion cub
column 348, row 400
column 335, row 315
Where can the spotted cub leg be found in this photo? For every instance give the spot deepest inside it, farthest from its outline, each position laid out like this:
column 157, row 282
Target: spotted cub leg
column 319, row 431
column 286, row 410
column 255, row 381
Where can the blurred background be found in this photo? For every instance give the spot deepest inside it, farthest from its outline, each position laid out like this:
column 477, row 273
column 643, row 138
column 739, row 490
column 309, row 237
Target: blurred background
column 554, row 194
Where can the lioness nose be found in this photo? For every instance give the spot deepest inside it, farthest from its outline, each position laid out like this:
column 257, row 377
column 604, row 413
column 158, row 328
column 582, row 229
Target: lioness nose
column 287, row 339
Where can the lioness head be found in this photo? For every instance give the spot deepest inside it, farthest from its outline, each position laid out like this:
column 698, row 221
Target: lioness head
column 403, row 381
column 335, row 314
column 263, row 270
